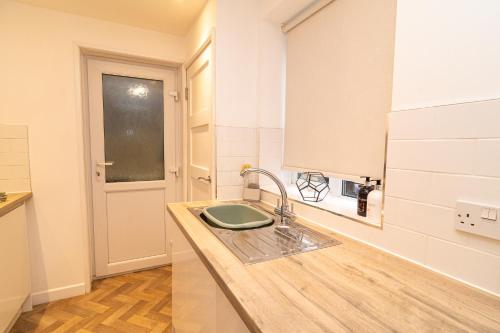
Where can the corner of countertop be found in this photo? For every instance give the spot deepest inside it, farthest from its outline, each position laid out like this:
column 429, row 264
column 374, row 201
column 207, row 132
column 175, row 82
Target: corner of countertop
column 14, row 200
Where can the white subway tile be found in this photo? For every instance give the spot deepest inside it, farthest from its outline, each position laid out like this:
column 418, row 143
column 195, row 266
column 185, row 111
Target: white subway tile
column 19, row 145
column 412, row 124
column 452, row 156
column 224, row 178
column 229, row 192
column 236, row 141
column 5, row 145
column 467, row 264
column 434, row 221
column 447, row 189
column 468, row 120
column 236, row 179
column 487, row 162
column 423, row 218
column 14, row 172
column 457, row 121
column 271, row 135
column 14, row 158
column 234, row 163
column 406, row 243
column 229, row 178
column 15, row 185
column 407, row 184
column 13, row 132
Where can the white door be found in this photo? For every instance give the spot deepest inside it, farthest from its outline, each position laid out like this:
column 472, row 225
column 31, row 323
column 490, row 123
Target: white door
column 132, row 134
column 199, row 79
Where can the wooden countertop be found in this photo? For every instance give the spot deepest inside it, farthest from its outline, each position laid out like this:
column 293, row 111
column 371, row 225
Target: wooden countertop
column 351, row 287
column 14, row 200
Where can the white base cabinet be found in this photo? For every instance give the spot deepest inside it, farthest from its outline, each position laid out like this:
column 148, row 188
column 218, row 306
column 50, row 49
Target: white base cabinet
column 198, row 303
column 15, row 284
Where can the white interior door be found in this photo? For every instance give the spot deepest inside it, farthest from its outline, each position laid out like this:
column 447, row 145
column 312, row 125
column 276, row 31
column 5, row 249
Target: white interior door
column 199, row 79
column 133, row 144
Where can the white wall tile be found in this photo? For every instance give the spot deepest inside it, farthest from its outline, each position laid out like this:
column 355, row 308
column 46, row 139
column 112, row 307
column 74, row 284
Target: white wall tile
column 452, row 156
column 229, row 192
column 447, row 189
column 434, row 221
column 409, row 244
column 225, row 178
column 468, row 120
column 5, row 145
column 412, row 124
column 14, row 172
column 423, row 218
column 487, row 161
column 13, row 132
column 234, row 163
column 458, row 121
column 235, row 146
column 236, row 141
column 408, row 184
column 15, row 185
column 14, row 158
column 19, row 145
column 468, row 264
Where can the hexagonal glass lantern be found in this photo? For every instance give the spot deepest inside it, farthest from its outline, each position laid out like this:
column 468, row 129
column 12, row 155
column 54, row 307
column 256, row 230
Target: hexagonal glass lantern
column 313, row 186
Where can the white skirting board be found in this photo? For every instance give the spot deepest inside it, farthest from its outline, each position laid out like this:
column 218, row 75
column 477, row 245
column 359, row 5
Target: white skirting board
column 58, row 293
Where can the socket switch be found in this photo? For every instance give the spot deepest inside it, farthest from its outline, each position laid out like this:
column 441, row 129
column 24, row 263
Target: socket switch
column 478, row 219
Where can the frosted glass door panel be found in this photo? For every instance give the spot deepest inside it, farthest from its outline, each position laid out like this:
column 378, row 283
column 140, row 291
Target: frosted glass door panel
column 133, row 128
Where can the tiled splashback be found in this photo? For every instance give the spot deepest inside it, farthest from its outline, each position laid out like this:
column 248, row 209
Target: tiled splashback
column 270, row 153
column 436, row 156
column 235, row 146
column 14, row 159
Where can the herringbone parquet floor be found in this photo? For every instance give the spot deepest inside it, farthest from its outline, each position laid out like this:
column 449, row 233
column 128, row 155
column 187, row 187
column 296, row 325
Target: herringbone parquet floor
column 135, row 302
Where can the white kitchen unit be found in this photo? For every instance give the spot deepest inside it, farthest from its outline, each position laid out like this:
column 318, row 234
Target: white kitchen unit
column 198, row 303
column 15, row 281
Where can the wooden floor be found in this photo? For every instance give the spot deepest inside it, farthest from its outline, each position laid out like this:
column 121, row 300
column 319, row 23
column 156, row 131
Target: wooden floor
column 135, row 302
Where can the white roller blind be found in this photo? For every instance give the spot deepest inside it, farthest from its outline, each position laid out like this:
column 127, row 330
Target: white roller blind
column 338, row 88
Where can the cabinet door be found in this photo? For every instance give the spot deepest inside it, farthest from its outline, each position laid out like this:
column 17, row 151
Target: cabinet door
column 193, row 289
column 228, row 320
column 14, row 265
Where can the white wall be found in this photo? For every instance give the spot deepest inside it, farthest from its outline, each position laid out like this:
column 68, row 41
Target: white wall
column 237, row 38
column 201, row 29
column 447, row 52
column 40, row 87
column 437, row 154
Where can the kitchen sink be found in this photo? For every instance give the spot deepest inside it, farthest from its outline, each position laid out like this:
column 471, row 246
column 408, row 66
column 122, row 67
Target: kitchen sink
column 260, row 243
column 237, row 216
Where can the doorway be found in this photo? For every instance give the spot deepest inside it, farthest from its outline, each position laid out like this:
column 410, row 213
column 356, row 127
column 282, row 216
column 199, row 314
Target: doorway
column 200, row 135
column 133, row 154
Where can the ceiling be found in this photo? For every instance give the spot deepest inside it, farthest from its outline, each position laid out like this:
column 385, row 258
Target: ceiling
column 168, row 16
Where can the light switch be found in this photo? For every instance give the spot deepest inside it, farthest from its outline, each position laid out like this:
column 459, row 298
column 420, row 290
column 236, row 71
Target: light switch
column 492, row 215
column 485, row 213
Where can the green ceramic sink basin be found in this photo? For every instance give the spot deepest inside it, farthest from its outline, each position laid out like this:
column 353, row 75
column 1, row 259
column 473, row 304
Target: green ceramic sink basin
column 236, row 216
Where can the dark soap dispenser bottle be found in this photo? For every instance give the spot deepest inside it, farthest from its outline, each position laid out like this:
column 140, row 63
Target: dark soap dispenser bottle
column 364, row 190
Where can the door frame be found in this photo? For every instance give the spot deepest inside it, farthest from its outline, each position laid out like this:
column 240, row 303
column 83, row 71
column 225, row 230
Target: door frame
column 209, row 41
column 83, row 53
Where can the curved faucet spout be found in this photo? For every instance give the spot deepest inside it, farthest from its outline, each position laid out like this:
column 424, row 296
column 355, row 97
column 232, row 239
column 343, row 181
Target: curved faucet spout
column 283, row 210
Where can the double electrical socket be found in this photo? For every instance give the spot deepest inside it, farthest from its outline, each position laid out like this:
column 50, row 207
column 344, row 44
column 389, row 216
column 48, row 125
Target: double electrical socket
column 478, row 219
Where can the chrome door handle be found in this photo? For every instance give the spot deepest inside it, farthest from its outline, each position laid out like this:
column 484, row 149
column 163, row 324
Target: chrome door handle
column 208, row 179
column 102, row 164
